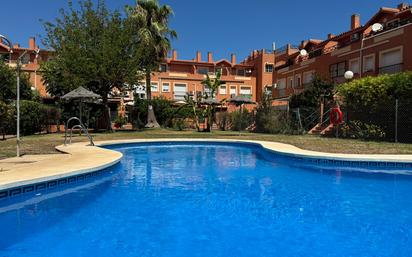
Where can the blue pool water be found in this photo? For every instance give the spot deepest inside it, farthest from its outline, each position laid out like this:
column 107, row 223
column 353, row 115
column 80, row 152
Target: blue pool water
column 213, row 200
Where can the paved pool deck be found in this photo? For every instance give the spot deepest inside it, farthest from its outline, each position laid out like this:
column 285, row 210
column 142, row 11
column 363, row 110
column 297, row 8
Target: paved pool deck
column 79, row 158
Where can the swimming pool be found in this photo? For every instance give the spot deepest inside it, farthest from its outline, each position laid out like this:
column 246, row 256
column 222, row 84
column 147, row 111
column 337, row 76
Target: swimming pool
column 214, row 199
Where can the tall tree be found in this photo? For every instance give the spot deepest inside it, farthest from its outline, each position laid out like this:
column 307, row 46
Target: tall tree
column 8, row 84
column 95, row 48
column 154, row 40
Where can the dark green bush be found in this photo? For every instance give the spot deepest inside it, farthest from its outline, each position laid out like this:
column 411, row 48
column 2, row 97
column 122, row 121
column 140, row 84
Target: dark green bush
column 6, row 118
column 241, row 119
column 32, row 117
column 371, row 92
column 273, row 122
column 358, row 130
column 320, row 90
column 164, row 111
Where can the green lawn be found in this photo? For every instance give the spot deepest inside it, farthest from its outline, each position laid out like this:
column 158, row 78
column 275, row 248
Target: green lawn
column 44, row 144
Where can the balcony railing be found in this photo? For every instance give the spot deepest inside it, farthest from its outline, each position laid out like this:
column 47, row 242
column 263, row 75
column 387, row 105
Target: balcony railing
column 284, row 48
column 391, row 69
column 392, row 25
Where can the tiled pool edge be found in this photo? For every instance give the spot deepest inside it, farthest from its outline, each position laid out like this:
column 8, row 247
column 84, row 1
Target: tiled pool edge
column 281, row 150
column 68, row 166
column 317, row 158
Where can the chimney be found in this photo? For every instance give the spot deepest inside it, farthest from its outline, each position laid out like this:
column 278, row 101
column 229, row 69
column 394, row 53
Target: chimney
column 330, row 35
column 209, row 57
column 233, row 57
column 32, row 43
column 355, row 21
column 198, row 56
column 403, row 6
column 174, row 55
column 16, row 46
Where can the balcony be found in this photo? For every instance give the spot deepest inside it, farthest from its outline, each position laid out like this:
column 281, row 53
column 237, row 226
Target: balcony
column 392, row 25
column 391, row 69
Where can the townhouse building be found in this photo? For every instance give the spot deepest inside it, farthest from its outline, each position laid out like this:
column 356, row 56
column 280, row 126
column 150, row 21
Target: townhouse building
column 281, row 72
column 382, row 45
column 177, row 78
column 30, row 62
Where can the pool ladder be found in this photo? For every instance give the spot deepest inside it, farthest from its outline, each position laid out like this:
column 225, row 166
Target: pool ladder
column 80, row 126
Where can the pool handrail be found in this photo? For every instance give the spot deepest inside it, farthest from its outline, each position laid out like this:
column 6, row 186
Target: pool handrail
column 81, row 126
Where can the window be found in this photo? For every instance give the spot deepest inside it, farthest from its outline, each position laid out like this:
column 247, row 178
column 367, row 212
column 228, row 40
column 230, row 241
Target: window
column 25, row 59
column 337, row 69
column 354, row 66
column 390, row 57
column 369, row 63
column 140, row 91
column 390, row 61
column 163, row 67
column 281, row 87
column 222, row 90
column 307, row 78
column 268, row 67
column 166, row 87
column 245, row 90
column 233, row 90
column 219, row 70
column 290, row 80
column 241, row 72
column 155, row 87
column 281, row 84
column 180, row 91
column 203, row 70
column 298, row 80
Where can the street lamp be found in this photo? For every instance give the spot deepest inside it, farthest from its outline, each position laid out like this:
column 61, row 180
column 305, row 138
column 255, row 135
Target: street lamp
column 8, row 41
column 18, row 70
column 348, row 75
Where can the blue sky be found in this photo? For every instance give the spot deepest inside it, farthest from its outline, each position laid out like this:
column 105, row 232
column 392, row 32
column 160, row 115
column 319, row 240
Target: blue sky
column 220, row 26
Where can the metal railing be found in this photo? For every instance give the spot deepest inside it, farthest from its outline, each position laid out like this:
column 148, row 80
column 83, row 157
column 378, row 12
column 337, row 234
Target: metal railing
column 391, row 26
column 81, row 126
column 395, row 68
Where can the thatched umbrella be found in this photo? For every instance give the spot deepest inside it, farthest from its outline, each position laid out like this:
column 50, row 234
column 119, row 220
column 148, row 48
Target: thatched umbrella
column 210, row 101
column 240, row 100
column 82, row 95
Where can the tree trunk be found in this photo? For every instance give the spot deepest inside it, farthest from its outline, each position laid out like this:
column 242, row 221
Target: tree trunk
column 151, row 118
column 106, row 113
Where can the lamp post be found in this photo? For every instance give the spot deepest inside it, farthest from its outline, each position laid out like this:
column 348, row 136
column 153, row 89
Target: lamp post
column 3, row 38
column 18, row 70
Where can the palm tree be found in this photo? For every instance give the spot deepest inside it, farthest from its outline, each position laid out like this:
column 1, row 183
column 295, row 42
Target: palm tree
column 154, row 38
column 213, row 85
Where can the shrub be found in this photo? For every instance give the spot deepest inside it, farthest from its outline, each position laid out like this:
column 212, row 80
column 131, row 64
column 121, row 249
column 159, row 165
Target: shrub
column 120, row 121
column 179, row 124
column 165, row 112
column 32, row 117
column 6, row 118
column 241, row 119
column 359, row 130
column 320, row 89
column 373, row 91
column 269, row 120
column 273, row 122
column 223, row 120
